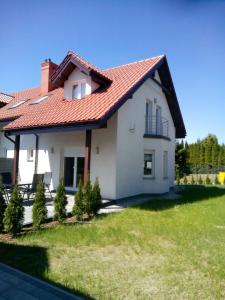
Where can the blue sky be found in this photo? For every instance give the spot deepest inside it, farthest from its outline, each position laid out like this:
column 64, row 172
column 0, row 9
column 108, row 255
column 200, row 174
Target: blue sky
column 190, row 32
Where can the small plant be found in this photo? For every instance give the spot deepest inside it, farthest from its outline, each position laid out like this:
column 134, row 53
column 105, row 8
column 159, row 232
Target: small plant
column 200, row 181
column 224, row 181
column 192, row 180
column 2, row 205
column 96, row 198
column 39, row 210
column 216, row 182
column 60, row 202
column 178, row 179
column 185, row 180
column 79, row 208
column 14, row 213
column 207, row 180
column 87, row 196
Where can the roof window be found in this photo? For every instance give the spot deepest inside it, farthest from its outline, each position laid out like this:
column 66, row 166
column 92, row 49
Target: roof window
column 18, row 103
column 39, row 100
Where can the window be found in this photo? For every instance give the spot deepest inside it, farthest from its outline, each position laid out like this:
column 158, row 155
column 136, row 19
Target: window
column 165, row 164
column 39, row 100
column 30, row 154
column 18, row 103
column 148, row 117
column 75, row 89
column 79, row 90
column 149, row 157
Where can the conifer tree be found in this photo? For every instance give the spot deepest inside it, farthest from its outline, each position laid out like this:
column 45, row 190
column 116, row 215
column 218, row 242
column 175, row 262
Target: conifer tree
column 178, row 179
column 192, row 180
column 39, row 210
column 207, row 180
column 2, row 205
column 14, row 213
column 60, row 203
column 79, row 207
column 200, row 181
column 185, row 180
column 96, row 198
column 216, row 182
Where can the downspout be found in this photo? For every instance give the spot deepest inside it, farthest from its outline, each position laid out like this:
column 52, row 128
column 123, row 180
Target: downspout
column 36, row 154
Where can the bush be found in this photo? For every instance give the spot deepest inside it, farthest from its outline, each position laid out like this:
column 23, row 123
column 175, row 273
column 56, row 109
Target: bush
column 87, row 197
column 192, row 180
column 216, row 182
column 185, row 180
column 79, row 208
column 60, row 202
column 200, row 181
column 96, row 198
column 207, row 180
column 14, row 213
column 2, row 205
column 39, row 210
column 178, row 179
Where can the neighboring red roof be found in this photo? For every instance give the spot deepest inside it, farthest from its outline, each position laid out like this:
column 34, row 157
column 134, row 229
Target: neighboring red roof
column 5, row 98
column 56, row 111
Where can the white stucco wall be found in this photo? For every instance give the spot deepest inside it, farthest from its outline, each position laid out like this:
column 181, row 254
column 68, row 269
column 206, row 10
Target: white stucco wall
column 131, row 144
column 76, row 77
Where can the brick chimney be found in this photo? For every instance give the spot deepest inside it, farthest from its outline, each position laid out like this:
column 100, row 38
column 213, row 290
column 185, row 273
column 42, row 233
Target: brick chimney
column 47, row 69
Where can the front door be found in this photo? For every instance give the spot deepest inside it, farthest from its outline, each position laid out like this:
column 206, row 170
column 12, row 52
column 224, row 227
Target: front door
column 80, row 169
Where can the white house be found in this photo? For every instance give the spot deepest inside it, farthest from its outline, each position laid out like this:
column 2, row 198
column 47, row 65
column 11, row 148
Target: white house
column 119, row 125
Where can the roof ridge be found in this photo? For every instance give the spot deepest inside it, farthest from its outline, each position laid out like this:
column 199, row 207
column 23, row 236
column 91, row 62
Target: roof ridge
column 7, row 95
column 134, row 62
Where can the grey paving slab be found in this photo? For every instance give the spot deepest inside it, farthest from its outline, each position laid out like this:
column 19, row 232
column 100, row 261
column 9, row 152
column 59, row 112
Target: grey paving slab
column 16, row 285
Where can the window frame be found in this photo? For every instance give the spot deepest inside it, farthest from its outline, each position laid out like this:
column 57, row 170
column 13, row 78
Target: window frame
column 17, row 104
column 81, row 90
column 148, row 116
column 152, row 175
column 39, row 100
column 30, row 158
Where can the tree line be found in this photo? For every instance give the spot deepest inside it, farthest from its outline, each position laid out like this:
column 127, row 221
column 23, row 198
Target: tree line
column 205, row 156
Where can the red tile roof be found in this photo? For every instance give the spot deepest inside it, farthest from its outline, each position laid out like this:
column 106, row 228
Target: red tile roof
column 55, row 110
column 5, row 98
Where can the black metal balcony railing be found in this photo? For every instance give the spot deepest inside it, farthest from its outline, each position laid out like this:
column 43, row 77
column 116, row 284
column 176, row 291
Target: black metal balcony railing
column 156, row 126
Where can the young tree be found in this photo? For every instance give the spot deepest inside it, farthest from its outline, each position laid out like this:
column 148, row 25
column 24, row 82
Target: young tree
column 96, row 198
column 2, row 205
column 178, row 179
column 14, row 213
column 207, row 180
column 60, row 202
column 79, row 207
column 200, row 181
column 87, row 196
column 39, row 210
column 216, row 182
column 185, row 180
column 192, row 180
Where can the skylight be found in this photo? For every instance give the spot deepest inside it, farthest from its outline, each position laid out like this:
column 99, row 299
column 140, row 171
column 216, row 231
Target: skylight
column 39, row 100
column 18, row 103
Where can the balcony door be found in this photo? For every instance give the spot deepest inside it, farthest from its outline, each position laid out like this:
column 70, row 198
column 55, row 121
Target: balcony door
column 158, row 120
column 148, row 125
column 73, row 170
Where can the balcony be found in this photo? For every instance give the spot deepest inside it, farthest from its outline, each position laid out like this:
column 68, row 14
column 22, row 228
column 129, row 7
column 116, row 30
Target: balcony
column 156, row 127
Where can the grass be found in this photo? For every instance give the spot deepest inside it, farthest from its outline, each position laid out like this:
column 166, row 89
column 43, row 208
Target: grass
column 164, row 249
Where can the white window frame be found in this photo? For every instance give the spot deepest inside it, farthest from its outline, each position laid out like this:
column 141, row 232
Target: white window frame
column 38, row 100
column 30, row 155
column 15, row 105
column 165, row 164
column 152, row 152
column 81, row 93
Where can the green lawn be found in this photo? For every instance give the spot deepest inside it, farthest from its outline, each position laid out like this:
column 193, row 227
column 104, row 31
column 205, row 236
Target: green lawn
column 164, row 249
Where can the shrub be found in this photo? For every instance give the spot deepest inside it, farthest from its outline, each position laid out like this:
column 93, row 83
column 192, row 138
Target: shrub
column 60, row 202
column 224, row 181
column 192, row 179
column 178, row 179
column 207, row 180
column 200, row 181
column 39, row 210
column 96, row 198
column 14, row 213
column 216, row 180
column 87, row 197
column 185, row 180
column 79, row 208
column 2, row 205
